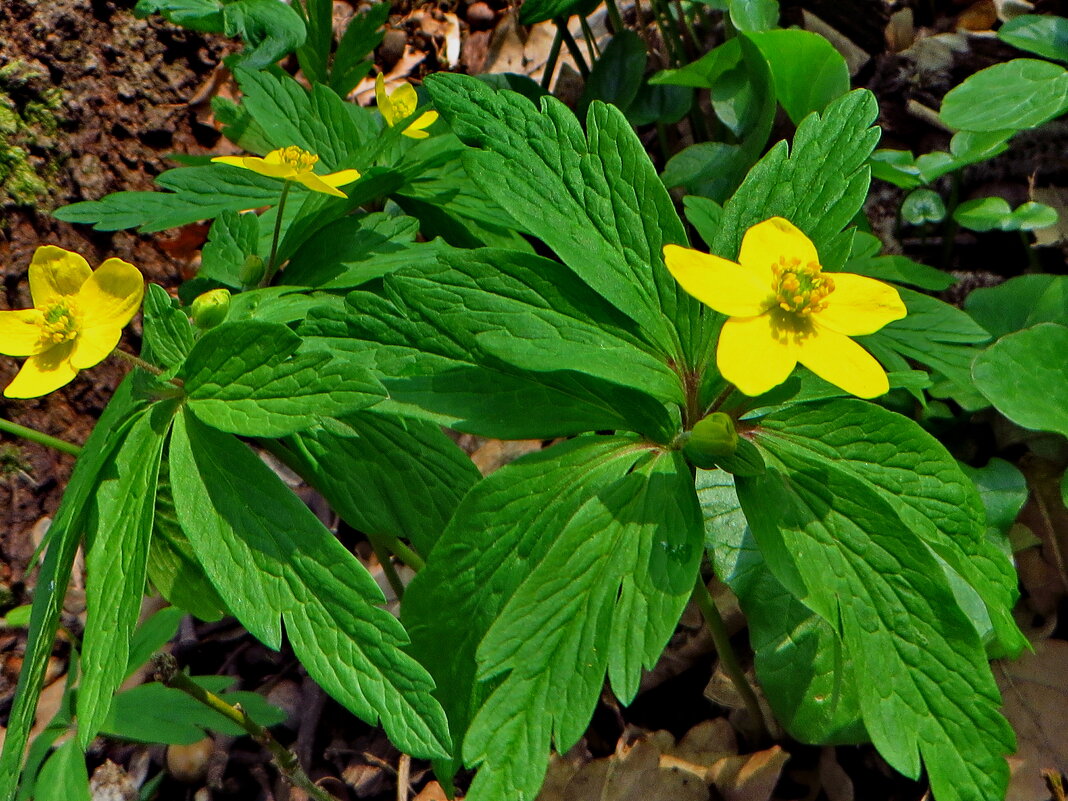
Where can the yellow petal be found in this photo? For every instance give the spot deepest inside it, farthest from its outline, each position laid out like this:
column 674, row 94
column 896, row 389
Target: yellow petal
column 385, row 108
column 55, row 272
column 111, row 296
column 754, row 354
column 425, row 120
column 275, row 169
column 317, row 184
column 839, row 360
column 765, row 243
column 340, row 178
column 860, row 305
column 404, row 101
column 43, row 373
column 92, row 345
column 725, row 286
column 20, row 332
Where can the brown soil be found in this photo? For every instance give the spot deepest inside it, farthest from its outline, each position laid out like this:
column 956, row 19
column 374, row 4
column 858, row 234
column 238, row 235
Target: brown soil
column 122, row 90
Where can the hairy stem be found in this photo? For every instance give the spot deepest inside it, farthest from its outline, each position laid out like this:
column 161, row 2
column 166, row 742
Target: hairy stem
column 33, row 435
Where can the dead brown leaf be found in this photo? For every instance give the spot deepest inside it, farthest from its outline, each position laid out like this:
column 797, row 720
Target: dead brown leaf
column 1036, row 704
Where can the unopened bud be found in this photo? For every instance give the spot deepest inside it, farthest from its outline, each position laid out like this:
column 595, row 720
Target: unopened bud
column 252, row 271
column 713, row 438
column 211, row 308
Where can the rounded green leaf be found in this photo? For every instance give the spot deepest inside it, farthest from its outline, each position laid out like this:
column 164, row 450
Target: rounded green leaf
column 983, row 214
column 1022, row 93
column 1045, row 35
column 809, row 73
column 1026, row 378
column 923, row 206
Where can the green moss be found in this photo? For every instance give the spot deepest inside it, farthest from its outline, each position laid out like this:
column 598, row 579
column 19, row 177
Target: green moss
column 29, row 122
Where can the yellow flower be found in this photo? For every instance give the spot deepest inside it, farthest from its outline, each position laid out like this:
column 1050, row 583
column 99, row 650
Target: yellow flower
column 400, row 105
column 77, row 319
column 293, row 164
column 784, row 309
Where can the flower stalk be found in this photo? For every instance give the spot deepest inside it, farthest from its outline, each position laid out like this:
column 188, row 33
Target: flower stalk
column 33, row 435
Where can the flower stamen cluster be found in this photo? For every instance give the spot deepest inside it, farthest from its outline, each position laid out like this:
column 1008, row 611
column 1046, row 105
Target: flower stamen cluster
column 801, row 288
column 299, row 159
column 59, row 324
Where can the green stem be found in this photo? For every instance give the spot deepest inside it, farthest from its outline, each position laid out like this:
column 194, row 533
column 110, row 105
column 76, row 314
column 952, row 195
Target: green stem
column 572, row 47
column 386, row 561
column 616, row 18
column 554, row 56
column 271, row 266
column 727, row 656
column 592, row 49
column 167, row 673
column 137, row 361
column 33, row 435
column 403, row 552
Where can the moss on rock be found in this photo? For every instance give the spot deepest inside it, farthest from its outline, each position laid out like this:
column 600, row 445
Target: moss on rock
column 29, row 122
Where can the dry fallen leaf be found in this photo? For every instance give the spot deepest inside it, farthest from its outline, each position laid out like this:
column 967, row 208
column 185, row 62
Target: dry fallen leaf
column 1036, row 704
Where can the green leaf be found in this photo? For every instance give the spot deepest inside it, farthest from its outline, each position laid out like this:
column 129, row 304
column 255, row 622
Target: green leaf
column 706, row 71
column 152, row 635
column 197, row 15
column 363, row 34
column 1024, row 378
column 534, row 11
column 528, row 311
column 1003, row 489
column 153, row 713
column 923, row 206
column 318, row 122
column 314, row 55
column 232, row 240
column 819, row 186
column 64, row 776
column 119, row 533
column 935, row 334
column 199, row 193
column 483, row 556
column 64, row 538
column 808, row 72
column 1046, row 35
column 666, row 104
column 797, row 655
column 168, row 334
column 173, row 569
column 704, row 215
column 430, row 373
column 922, row 677
column 1020, row 302
column 605, row 597
column 594, row 199
column 354, row 250
column 385, row 474
column 1018, row 94
column 272, row 560
column 270, row 29
column 988, row 213
column 754, row 15
column 913, row 472
column 900, row 270
column 246, row 378
column 617, row 75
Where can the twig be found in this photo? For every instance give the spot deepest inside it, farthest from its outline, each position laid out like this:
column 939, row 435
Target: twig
column 166, row 671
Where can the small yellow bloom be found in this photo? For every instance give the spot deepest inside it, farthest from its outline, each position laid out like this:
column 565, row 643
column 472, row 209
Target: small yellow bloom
column 400, row 105
column 293, row 164
column 77, row 319
column 784, row 309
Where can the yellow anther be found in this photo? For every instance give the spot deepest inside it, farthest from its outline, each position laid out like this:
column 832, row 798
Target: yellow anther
column 299, row 158
column 59, row 324
column 801, row 288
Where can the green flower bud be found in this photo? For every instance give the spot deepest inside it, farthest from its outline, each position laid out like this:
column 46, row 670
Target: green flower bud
column 713, row 438
column 211, row 308
column 252, row 270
